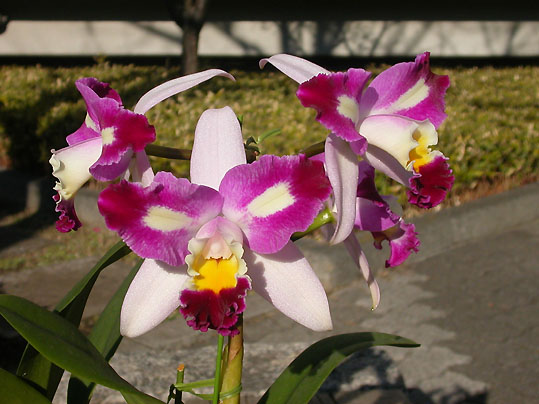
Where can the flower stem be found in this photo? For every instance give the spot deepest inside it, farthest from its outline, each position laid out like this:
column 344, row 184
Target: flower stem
column 232, row 371
column 324, row 217
column 217, row 380
column 314, row 149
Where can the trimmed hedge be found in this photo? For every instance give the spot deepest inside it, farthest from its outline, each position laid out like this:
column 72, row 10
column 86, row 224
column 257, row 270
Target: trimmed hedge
column 490, row 135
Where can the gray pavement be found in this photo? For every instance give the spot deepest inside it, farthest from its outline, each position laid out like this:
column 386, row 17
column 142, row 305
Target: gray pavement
column 469, row 297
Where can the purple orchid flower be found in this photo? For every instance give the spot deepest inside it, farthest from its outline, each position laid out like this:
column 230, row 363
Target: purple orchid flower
column 372, row 213
column 391, row 123
column 208, row 241
column 108, row 139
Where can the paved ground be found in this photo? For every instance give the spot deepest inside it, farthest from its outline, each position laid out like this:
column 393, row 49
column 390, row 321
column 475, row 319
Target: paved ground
column 469, row 297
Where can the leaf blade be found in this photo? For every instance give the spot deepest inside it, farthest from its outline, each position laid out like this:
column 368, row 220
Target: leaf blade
column 303, row 377
column 62, row 343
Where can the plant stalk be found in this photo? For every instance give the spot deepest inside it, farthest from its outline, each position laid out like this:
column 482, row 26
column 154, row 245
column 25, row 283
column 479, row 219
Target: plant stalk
column 232, row 371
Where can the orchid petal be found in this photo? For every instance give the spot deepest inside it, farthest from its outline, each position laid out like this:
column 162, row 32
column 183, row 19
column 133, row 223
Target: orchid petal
column 395, row 134
column 342, row 170
column 286, row 280
column 144, row 173
column 296, row 68
column 430, row 185
column 372, row 211
column 218, row 147
column 175, row 86
column 402, row 241
column 152, row 296
column 408, row 89
column 123, row 132
column 354, row 249
column 336, row 98
column 158, row 221
column 274, row 197
column 71, row 165
column 384, row 162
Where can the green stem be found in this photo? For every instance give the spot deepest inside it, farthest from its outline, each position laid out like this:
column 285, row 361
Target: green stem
column 232, row 371
column 314, row 149
column 324, row 217
column 168, row 152
column 179, row 380
column 216, row 383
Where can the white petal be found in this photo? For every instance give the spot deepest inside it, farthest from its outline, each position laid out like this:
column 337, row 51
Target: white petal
column 354, row 249
column 286, row 280
column 387, row 164
column 296, row 68
column 172, row 87
column 218, row 147
column 343, row 172
column 71, row 165
column 152, row 296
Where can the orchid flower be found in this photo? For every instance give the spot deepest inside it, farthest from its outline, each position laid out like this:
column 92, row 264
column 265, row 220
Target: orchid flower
column 391, row 123
column 372, row 213
column 208, row 241
column 108, row 139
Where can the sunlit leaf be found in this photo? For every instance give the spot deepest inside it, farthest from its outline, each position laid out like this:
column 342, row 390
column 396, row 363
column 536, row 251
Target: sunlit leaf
column 105, row 336
column 33, row 366
column 63, row 344
column 303, row 377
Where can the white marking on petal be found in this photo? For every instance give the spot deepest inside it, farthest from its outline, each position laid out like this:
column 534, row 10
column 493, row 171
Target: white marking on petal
column 107, row 135
column 349, row 108
column 410, row 98
column 271, row 201
column 90, row 123
column 164, row 219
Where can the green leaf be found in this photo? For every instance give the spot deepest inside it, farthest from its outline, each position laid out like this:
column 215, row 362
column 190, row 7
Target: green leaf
column 33, row 366
column 14, row 390
column 105, row 336
column 303, row 377
column 63, row 344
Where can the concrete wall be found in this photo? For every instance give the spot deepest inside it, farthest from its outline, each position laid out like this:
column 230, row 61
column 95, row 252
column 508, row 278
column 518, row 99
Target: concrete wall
column 262, row 38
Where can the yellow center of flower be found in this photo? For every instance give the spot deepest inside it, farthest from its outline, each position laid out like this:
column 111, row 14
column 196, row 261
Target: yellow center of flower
column 215, row 274
column 421, row 154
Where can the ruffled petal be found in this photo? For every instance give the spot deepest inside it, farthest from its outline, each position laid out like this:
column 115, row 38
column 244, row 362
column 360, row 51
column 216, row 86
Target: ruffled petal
column 158, row 221
column 402, row 241
column 205, row 309
column 175, row 86
column 68, row 219
column 296, row 68
column 71, row 164
column 357, row 254
column 430, row 185
column 152, row 296
column 408, row 89
column 342, row 170
column 274, row 197
column 286, row 280
column 218, row 147
column 336, row 98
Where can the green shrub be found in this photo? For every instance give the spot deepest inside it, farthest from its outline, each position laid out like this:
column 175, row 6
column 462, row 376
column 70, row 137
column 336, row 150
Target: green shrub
column 490, row 134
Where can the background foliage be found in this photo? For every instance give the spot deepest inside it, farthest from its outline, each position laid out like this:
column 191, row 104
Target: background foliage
column 490, row 134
